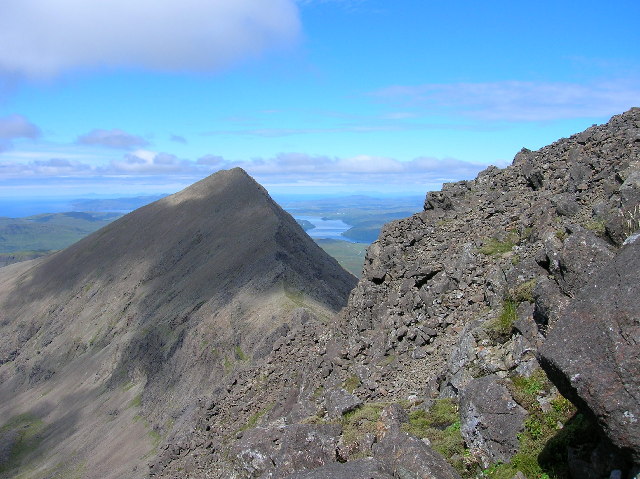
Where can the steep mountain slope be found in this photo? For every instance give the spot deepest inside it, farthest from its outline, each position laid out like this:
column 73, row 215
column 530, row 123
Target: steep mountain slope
column 108, row 345
column 440, row 339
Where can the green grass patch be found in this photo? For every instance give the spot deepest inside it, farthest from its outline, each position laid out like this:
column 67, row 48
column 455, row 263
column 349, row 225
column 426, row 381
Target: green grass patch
column 364, row 420
column 387, row 360
column 351, row 383
column 24, row 430
column 240, row 355
column 254, row 418
column 499, row 328
column 349, row 255
column 494, row 246
column 597, row 226
column 227, row 364
column 441, row 425
column 547, row 433
column 524, row 291
column 155, row 437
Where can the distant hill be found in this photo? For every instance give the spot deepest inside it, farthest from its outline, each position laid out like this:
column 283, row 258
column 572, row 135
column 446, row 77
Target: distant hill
column 51, row 231
column 114, row 204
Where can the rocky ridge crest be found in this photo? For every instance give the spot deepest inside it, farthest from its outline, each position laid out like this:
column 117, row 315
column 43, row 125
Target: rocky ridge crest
column 451, row 311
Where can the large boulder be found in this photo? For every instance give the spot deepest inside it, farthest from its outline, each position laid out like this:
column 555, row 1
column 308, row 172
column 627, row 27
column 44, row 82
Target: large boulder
column 404, row 456
column 366, row 468
column 279, row 451
column 490, row 419
column 592, row 353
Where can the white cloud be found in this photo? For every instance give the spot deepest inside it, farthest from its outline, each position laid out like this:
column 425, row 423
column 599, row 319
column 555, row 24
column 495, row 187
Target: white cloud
column 41, row 38
column 13, row 127
column 519, row 100
column 148, row 163
column 54, row 167
column 112, row 139
column 285, row 168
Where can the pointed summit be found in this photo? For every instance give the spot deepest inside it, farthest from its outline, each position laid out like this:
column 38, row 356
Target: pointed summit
column 165, row 302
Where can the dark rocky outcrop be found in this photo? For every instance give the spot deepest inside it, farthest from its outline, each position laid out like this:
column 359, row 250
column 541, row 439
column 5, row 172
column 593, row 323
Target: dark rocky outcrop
column 593, row 351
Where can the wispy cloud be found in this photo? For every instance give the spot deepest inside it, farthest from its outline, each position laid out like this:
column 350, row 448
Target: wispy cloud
column 13, row 127
column 112, row 139
column 41, row 38
column 289, row 168
column 362, row 169
column 54, row 167
column 178, row 139
column 395, row 126
column 278, row 132
column 519, row 100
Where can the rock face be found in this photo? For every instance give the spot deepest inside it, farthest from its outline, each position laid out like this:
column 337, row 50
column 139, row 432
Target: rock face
column 593, row 351
column 151, row 314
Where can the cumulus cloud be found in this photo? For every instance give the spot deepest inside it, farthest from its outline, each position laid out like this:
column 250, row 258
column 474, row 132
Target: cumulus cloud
column 519, row 100
column 283, row 169
column 361, row 169
column 112, row 139
column 41, row 38
column 149, row 162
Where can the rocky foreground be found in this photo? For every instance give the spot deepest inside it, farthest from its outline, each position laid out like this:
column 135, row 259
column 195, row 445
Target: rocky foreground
column 495, row 334
column 438, row 352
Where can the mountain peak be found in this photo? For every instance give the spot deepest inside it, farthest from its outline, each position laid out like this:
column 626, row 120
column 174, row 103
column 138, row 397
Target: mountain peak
column 168, row 300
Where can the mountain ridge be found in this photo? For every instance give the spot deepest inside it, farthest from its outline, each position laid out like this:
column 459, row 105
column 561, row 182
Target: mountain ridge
column 196, row 282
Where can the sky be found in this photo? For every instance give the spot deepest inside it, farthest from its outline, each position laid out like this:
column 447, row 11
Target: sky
column 122, row 98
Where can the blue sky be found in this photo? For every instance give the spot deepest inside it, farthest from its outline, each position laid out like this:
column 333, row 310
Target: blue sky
column 309, row 96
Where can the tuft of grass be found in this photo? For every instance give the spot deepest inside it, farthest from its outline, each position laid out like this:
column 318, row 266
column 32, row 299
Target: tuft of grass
column 351, row 383
column 542, row 453
column 361, row 421
column 254, row 418
column 387, row 360
column 494, row 246
column 595, row 225
column 631, row 219
column 240, row 355
column 499, row 328
column 525, row 390
column 155, row 437
column 441, row 425
column 441, row 415
column 227, row 364
column 524, row 291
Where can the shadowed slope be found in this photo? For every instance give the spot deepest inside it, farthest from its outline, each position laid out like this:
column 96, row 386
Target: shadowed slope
column 145, row 316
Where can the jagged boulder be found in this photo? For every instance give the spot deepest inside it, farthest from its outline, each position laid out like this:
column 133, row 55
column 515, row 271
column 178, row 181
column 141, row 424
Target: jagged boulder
column 366, row 468
column 405, row 456
column 279, row 451
column 593, row 352
column 490, row 420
